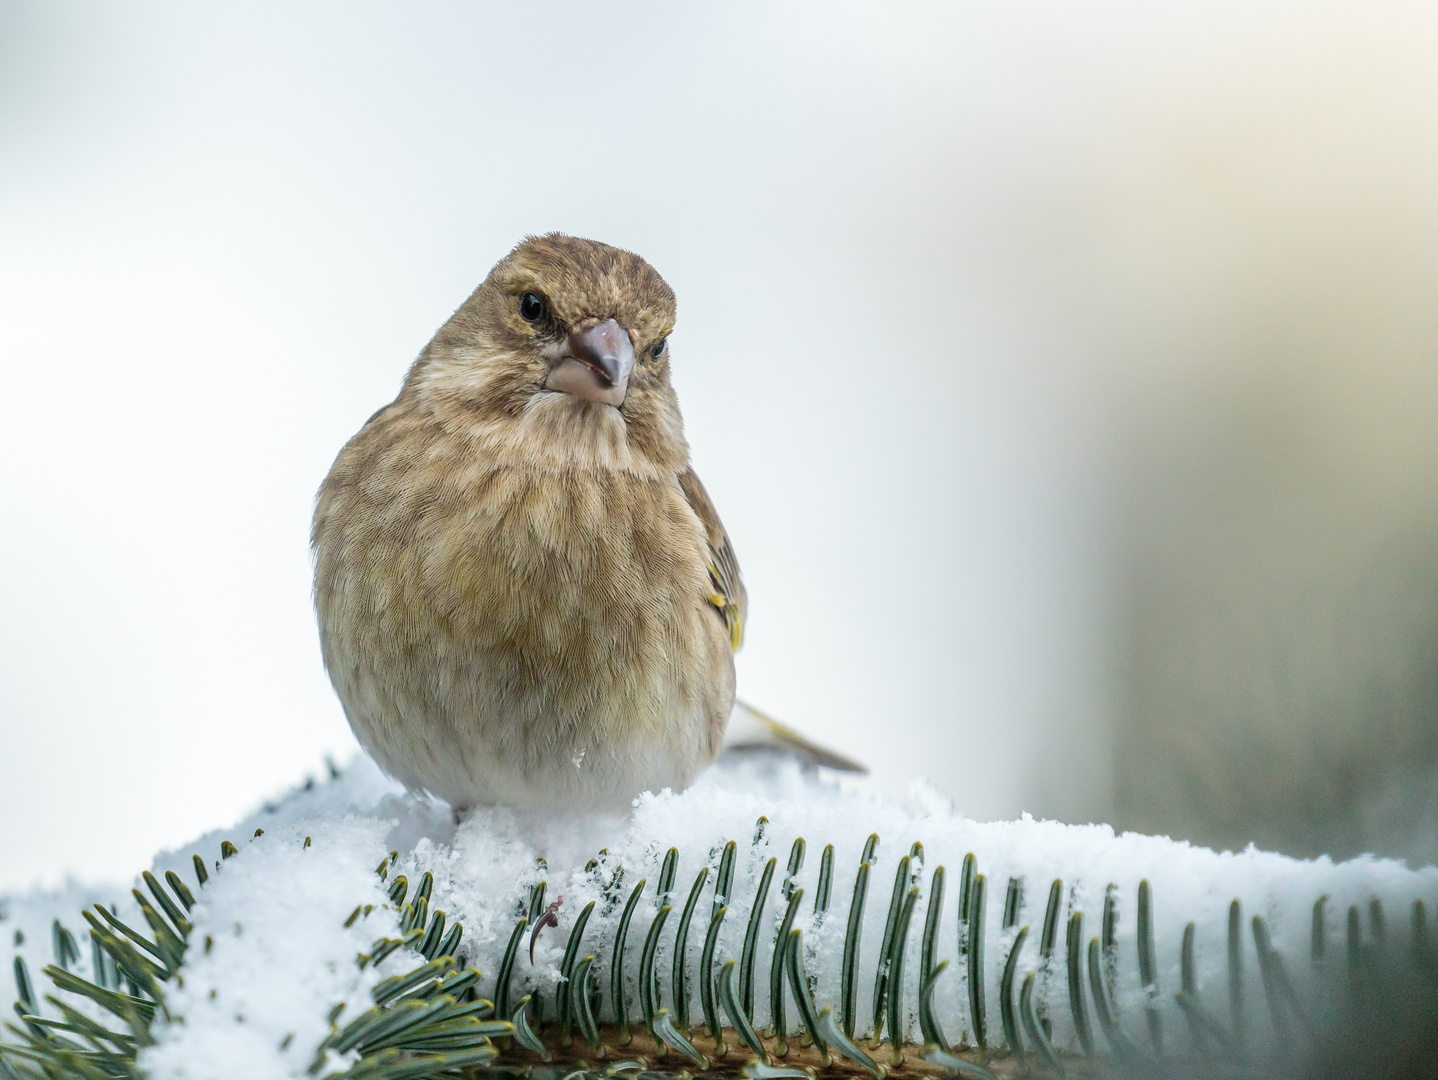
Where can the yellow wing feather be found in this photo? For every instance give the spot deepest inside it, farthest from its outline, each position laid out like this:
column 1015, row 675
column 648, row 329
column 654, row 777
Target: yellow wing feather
column 727, row 594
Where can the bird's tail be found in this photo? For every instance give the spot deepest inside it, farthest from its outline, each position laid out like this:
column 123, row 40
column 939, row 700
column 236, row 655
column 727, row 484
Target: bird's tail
column 752, row 731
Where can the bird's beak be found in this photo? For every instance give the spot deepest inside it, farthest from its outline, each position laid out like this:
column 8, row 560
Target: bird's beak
column 593, row 362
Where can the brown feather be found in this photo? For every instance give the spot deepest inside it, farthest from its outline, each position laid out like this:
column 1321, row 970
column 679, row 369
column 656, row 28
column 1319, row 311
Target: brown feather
column 730, row 598
column 513, row 584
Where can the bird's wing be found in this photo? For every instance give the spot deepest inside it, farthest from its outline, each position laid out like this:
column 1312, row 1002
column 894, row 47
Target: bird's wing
column 727, row 585
column 749, row 729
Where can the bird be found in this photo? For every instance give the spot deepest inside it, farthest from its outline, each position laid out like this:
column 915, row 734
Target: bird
column 525, row 595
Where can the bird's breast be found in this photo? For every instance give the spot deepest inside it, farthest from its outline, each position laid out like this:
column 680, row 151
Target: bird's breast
column 555, row 562
column 488, row 623
column 544, row 581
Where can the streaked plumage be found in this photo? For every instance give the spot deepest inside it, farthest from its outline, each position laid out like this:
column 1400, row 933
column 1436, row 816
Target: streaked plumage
column 525, row 595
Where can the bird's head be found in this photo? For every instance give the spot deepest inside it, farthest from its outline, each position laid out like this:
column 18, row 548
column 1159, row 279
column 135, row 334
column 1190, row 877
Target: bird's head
column 563, row 351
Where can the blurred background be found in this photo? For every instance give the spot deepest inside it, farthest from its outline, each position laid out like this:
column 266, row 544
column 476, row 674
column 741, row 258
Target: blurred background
column 1066, row 376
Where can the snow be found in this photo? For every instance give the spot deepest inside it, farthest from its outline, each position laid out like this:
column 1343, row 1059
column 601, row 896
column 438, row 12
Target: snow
column 270, row 955
column 256, row 1001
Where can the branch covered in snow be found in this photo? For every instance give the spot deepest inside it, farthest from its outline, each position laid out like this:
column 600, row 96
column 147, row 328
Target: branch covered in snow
column 364, row 929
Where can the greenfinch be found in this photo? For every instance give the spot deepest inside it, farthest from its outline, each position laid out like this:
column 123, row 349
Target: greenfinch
column 525, row 595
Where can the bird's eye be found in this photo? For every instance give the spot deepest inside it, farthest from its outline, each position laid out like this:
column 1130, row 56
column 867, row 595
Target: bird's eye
column 659, row 347
column 531, row 307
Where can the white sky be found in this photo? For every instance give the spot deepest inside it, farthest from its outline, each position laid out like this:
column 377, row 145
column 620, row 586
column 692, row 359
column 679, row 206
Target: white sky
column 227, row 230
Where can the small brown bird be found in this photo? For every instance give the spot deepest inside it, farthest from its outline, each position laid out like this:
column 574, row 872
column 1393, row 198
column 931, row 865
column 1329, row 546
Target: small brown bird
column 525, row 595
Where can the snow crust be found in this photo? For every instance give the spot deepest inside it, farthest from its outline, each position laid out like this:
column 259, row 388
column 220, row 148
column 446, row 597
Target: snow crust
column 270, row 956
